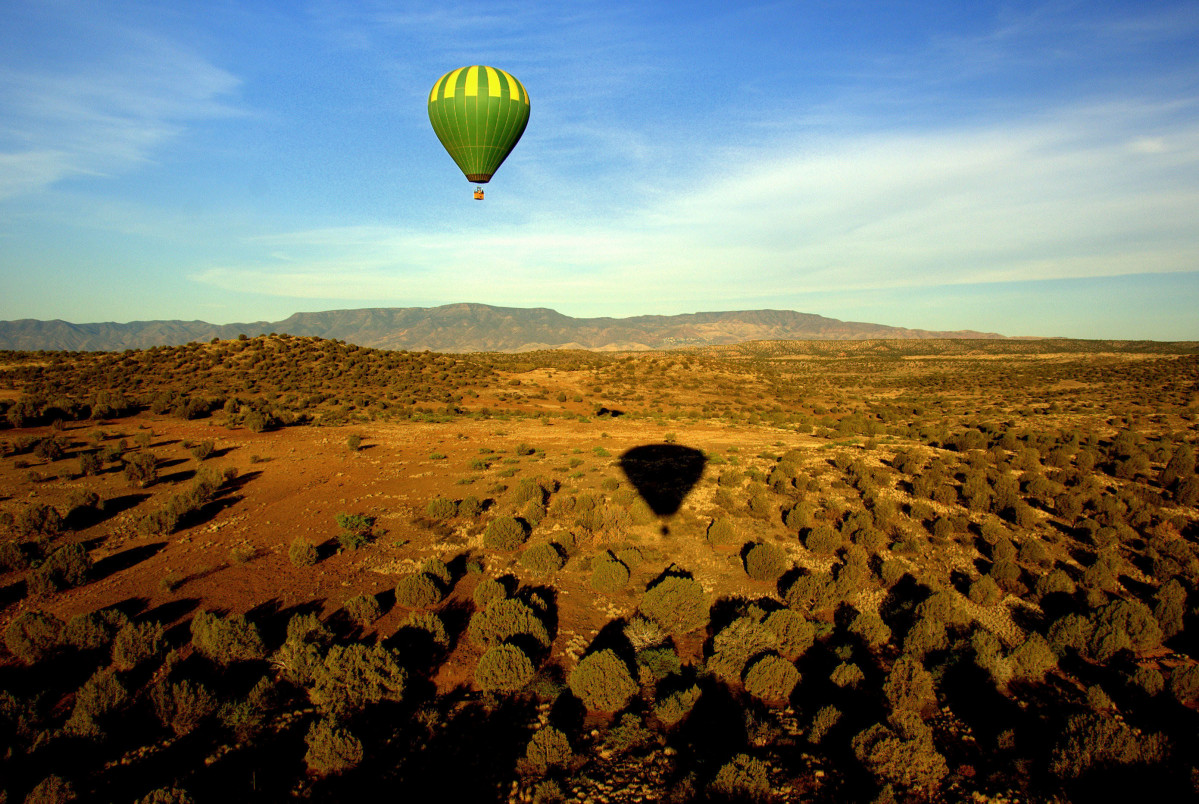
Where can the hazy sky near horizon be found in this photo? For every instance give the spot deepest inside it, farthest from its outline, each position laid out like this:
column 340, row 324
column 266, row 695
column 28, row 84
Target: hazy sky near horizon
column 1028, row 168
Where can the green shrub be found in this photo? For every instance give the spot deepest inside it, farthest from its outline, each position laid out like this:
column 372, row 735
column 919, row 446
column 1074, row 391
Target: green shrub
column 765, row 562
column 824, row 720
column 1184, row 683
column 51, row 790
column 602, row 681
column 737, row 643
column 167, row 795
column 943, row 607
column 542, row 559
column 469, row 507
column 487, row 591
column 847, row 674
column 630, row 556
column 677, row 604
column 626, row 735
column 603, row 518
column 608, row 575
column 332, row 749
column 924, row 637
column 303, row 553
column 823, row 539
column 66, row 567
column 136, row 643
column 548, row 791
column 437, row 568
column 12, row 556
column 527, row 490
column 1007, row 575
column 533, row 512
column 731, row 479
column 812, row 593
column 909, row 685
column 431, row 624
column 1149, row 679
column 760, row 505
column 1188, row 492
column 742, row 778
column 203, row 449
column 1033, row 551
column 356, row 530
column 548, row 748
column 1100, row 740
column 871, row 629
column 800, row 516
column 503, row 668
column 721, row 532
column 1033, row 658
column 1123, row 623
column 182, row 706
column 419, row 590
column 82, row 502
column 985, row 592
column 225, row 640
column 141, row 469
column 352, row 676
column 95, row 629
column 771, row 678
column 300, row 656
column 363, row 609
column 503, row 620
column 792, row 631
column 1170, row 608
column 988, row 655
column 440, row 508
column 675, row 706
column 1070, row 632
column 658, row 662
column 307, row 628
column 245, row 717
column 95, row 701
column 902, row 754
column 724, row 499
column 643, row 633
column 33, row 636
column 504, row 533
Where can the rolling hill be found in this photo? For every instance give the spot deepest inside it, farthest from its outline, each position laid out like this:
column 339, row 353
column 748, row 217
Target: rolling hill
column 469, row 328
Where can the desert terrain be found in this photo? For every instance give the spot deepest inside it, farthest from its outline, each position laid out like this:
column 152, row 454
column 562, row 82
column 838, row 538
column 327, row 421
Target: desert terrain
column 281, row 568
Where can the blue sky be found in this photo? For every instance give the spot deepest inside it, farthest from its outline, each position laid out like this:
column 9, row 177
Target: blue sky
column 1028, row 168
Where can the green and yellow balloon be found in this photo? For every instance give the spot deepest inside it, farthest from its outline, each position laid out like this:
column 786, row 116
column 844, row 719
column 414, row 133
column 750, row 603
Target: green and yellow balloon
column 479, row 114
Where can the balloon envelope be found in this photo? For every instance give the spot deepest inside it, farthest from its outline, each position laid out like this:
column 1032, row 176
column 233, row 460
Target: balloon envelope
column 478, row 113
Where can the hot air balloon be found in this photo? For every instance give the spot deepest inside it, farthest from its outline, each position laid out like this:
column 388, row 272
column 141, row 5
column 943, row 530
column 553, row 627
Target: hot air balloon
column 479, row 114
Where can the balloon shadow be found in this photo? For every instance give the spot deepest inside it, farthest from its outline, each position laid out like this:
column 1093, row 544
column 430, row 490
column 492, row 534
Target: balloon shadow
column 663, row 475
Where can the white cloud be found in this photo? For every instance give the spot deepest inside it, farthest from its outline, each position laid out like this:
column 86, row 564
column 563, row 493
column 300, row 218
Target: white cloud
column 1065, row 197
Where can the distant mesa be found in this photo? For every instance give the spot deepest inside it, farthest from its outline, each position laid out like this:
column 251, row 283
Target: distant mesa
column 471, row 328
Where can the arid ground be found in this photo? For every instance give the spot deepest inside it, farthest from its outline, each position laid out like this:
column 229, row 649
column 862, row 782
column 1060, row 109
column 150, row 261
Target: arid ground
column 897, row 571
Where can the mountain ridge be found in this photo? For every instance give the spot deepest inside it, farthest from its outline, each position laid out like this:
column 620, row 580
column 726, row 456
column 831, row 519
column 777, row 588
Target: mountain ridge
column 471, row 327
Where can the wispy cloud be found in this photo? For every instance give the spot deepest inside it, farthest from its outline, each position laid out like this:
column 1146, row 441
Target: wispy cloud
column 103, row 111
column 1094, row 192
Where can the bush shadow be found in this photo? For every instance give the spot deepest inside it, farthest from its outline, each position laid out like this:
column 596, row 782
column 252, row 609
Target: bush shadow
column 110, row 565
